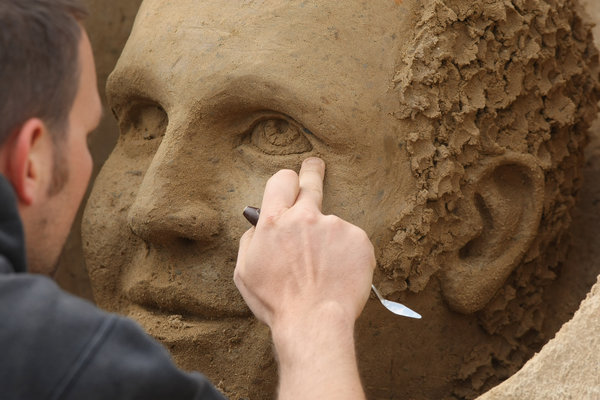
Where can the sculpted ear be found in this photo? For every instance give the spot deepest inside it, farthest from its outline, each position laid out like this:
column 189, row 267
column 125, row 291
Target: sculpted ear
column 504, row 201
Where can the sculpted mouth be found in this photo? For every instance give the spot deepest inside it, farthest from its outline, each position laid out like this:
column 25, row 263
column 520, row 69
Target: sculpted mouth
column 196, row 283
column 176, row 300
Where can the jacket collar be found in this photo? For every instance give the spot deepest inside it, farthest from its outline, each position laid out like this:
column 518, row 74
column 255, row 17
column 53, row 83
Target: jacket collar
column 12, row 239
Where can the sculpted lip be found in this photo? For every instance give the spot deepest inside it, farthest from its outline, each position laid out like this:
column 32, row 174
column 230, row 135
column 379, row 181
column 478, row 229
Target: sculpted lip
column 202, row 292
column 186, row 330
column 176, row 300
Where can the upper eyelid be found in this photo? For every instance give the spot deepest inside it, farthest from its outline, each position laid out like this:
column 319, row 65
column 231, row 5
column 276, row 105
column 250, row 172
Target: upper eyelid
column 248, row 136
column 121, row 90
column 134, row 103
column 239, row 93
column 248, row 118
column 267, row 115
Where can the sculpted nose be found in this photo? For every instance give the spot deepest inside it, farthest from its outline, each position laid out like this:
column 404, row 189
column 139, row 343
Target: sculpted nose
column 155, row 221
column 170, row 206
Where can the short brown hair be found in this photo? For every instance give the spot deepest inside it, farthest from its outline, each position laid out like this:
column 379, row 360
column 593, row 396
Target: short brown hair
column 39, row 67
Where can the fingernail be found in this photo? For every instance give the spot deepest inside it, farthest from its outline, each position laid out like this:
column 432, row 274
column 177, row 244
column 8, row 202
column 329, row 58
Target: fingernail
column 314, row 161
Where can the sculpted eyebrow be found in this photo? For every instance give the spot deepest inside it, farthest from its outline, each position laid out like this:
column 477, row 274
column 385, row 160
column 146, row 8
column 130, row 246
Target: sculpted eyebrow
column 258, row 92
column 130, row 83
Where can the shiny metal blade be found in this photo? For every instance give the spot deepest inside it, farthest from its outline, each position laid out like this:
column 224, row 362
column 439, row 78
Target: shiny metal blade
column 396, row 308
column 400, row 309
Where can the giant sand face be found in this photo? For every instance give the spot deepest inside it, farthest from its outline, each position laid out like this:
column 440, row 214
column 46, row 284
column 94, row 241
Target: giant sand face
column 452, row 131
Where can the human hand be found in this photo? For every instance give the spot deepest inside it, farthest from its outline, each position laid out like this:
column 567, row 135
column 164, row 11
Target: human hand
column 308, row 277
column 298, row 262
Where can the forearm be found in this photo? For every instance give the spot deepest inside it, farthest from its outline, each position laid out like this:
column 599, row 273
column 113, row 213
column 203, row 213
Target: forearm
column 317, row 358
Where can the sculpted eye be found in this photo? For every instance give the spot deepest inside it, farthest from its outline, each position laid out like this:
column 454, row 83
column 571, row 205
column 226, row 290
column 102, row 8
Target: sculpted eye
column 278, row 136
column 144, row 121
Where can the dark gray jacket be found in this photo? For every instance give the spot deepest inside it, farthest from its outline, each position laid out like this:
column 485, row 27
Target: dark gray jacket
column 56, row 346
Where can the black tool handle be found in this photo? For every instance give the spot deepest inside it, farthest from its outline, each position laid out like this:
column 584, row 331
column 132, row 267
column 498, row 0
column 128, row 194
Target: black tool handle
column 252, row 214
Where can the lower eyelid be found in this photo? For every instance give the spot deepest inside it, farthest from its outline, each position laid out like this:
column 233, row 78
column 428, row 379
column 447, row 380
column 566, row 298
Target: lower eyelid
column 271, row 163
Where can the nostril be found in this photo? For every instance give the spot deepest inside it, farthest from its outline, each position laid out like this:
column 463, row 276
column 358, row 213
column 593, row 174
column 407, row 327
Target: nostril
column 139, row 223
column 187, row 242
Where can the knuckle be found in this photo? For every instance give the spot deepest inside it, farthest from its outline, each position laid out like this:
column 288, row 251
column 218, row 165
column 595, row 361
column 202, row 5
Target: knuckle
column 246, row 236
column 269, row 221
column 334, row 221
column 240, row 272
column 359, row 233
column 362, row 238
column 237, row 276
column 315, row 187
column 305, row 215
column 311, row 216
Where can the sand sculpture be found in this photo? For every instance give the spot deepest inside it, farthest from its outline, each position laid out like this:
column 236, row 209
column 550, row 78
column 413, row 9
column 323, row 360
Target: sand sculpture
column 567, row 367
column 453, row 131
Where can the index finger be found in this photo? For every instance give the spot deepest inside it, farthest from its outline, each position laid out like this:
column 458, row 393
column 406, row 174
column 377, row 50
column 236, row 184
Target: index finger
column 280, row 194
column 311, row 178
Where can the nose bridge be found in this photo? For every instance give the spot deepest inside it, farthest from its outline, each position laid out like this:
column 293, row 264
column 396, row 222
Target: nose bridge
column 174, row 199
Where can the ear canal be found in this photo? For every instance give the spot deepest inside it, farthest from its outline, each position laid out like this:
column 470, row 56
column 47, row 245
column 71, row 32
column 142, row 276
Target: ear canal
column 506, row 199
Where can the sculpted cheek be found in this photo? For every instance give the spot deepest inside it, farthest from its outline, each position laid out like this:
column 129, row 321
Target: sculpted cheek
column 104, row 238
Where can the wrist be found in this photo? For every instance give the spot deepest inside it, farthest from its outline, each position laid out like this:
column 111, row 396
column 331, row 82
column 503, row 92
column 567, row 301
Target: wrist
column 324, row 335
column 316, row 355
column 327, row 322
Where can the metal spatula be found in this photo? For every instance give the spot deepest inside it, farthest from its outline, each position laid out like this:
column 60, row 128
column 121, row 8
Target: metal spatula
column 396, row 308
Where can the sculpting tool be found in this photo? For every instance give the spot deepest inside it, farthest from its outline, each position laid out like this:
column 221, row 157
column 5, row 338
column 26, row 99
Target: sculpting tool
column 252, row 214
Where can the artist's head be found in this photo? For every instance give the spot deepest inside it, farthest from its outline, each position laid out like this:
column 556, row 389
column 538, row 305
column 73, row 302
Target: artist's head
column 49, row 103
column 452, row 133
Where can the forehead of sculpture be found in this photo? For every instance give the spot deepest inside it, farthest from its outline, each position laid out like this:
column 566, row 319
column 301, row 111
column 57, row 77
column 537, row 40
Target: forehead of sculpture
column 305, row 53
column 268, row 24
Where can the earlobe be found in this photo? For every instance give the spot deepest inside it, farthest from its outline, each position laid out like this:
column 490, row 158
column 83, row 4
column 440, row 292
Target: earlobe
column 26, row 149
column 505, row 200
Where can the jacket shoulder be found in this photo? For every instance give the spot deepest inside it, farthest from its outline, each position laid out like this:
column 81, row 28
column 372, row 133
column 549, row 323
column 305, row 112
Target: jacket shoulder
column 56, row 345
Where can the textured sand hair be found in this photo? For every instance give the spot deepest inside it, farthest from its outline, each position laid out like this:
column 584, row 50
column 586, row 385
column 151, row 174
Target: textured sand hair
column 482, row 79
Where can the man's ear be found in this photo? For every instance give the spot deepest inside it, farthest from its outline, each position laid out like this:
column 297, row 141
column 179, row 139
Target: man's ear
column 28, row 160
column 503, row 201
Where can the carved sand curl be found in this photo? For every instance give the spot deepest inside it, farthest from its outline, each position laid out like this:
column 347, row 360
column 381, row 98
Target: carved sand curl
column 481, row 79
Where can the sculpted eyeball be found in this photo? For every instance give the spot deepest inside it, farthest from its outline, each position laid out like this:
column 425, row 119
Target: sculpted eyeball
column 279, row 136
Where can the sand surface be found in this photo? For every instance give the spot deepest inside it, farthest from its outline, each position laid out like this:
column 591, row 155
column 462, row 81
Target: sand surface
column 108, row 32
column 568, row 366
column 583, row 261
